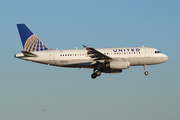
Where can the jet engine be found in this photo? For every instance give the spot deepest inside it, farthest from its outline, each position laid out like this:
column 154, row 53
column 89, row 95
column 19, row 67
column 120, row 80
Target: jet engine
column 119, row 64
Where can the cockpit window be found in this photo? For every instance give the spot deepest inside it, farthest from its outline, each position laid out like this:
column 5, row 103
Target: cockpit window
column 157, row 52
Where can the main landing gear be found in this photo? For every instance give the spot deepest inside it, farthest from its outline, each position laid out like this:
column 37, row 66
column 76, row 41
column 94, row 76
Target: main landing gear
column 95, row 74
column 145, row 68
column 98, row 72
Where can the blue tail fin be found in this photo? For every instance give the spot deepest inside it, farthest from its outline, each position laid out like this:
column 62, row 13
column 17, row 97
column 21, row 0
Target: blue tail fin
column 29, row 40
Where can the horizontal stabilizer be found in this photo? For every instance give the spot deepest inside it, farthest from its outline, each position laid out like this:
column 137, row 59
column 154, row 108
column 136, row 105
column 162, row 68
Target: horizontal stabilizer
column 28, row 54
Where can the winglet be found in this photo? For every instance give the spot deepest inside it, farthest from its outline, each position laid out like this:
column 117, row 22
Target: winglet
column 84, row 46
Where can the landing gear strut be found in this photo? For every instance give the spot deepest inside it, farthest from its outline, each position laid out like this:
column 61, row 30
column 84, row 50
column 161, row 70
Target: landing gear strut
column 145, row 68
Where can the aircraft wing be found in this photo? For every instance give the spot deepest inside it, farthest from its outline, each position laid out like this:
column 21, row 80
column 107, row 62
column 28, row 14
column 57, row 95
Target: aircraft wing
column 96, row 55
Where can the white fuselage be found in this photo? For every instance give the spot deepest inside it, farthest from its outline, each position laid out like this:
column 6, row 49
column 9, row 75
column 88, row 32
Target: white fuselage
column 79, row 57
column 106, row 60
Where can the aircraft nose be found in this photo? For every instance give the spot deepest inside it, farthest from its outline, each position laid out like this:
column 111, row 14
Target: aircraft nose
column 165, row 58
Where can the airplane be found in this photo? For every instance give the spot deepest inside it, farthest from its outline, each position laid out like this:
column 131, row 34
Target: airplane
column 101, row 60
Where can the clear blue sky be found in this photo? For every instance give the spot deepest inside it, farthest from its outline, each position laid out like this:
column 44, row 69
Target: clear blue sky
column 70, row 94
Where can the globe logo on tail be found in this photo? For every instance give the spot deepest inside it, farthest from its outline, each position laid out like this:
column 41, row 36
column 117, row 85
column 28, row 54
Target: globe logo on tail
column 34, row 44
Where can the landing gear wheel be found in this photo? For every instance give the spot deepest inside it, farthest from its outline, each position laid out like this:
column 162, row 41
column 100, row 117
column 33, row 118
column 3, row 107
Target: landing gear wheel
column 94, row 75
column 98, row 73
column 146, row 72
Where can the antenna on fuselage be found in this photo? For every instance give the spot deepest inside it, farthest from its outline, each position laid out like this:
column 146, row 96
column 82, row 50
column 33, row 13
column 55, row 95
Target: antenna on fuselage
column 142, row 45
column 76, row 47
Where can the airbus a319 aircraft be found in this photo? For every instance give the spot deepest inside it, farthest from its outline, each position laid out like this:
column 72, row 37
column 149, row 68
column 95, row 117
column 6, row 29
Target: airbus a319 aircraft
column 107, row 60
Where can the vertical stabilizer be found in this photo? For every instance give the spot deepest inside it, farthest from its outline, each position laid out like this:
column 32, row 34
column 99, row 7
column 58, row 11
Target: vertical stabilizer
column 29, row 40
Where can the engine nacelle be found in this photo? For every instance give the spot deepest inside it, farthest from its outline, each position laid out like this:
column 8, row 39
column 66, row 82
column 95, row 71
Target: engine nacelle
column 119, row 64
column 109, row 70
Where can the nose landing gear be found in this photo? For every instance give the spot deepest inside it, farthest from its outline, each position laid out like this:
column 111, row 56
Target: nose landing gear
column 146, row 72
column 145, row 68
